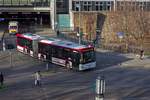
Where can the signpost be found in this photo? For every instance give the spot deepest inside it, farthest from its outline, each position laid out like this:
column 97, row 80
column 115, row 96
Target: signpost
column 120, row 35
column 2, row 19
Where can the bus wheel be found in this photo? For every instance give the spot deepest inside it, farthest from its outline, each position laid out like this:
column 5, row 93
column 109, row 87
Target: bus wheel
column 68, row 66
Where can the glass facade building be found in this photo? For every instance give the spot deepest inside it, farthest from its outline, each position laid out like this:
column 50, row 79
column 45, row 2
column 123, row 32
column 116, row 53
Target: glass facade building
column 36, row 11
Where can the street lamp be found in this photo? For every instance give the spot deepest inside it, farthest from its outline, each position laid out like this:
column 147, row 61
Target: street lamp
column 55, row 16
column 100, row 88
column 79, row 22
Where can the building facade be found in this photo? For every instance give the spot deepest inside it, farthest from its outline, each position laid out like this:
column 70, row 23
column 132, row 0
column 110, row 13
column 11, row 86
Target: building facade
column 104, row 5
column 59, row 13
column 96, row 18
column 36, row 11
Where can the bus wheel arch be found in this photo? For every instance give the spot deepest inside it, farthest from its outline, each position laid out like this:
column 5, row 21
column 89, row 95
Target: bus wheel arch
column 69, row 65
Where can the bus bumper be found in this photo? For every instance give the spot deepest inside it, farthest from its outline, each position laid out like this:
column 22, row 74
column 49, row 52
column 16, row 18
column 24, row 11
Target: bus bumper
column 87, row 66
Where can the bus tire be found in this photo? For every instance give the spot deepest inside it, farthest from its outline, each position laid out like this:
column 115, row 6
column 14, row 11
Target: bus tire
column 68, row 66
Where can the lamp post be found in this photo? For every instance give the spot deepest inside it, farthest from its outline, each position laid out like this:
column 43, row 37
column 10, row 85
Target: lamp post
column 55, row 16
column 100, row 88
column 79, row 22
column 47, row 66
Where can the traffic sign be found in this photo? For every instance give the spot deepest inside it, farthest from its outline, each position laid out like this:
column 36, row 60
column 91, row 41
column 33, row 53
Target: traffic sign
column 120, row 34
column 2, row 19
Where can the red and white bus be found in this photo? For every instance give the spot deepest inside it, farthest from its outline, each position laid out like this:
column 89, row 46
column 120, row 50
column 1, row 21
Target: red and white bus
column 61, row 52
column 28, row 43
column 66, row 53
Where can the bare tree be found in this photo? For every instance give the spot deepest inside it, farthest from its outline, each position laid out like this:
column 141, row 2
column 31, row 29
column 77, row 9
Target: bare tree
column 134, row 21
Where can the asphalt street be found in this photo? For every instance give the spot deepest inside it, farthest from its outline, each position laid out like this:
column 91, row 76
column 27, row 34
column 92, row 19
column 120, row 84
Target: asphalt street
column 127, row 78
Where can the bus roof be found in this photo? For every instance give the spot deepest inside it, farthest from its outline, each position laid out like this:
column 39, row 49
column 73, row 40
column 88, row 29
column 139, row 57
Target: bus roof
column 29, row 36
column 64, row 43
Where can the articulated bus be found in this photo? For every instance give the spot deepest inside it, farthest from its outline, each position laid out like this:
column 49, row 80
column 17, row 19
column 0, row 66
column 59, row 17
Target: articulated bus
column 28, row 43
column 57, row 51
column 66, row 53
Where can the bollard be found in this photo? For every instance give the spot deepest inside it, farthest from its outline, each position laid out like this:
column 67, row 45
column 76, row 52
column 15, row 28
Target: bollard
column 99, row 97
column 4, row 46
column 100, row 88
column 47, row 66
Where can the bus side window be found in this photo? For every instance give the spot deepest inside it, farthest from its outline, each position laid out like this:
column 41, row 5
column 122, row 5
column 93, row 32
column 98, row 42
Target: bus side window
column 54, row 51
column 60, row 53
column 50, row 50
column 65, row 53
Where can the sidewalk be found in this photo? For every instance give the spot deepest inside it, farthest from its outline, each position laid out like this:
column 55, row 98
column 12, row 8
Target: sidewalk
column 135, row 62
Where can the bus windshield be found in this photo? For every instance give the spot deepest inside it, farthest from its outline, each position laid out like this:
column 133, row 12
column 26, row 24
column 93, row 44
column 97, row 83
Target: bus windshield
column 88, row 56
column 12, row 27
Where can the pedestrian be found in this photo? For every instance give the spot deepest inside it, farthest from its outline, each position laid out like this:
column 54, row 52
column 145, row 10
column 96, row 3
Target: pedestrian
column 58, row 33
column 38, row 78
column 1, row 79
column 141, row 54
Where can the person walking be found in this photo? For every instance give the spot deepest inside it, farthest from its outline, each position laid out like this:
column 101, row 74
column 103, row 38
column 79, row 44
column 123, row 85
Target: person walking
column 38, row 78
column 141, row 54
column 1, row 78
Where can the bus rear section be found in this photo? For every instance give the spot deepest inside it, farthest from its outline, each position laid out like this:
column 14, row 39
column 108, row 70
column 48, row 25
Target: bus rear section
column 28, row 43
column 67, row 54
column 13, row 27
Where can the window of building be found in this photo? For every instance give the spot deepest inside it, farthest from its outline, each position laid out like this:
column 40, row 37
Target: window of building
column 15, row 2
column 60, row 3
column 103, row 5
column 120, row 5
column 87, row 6
column 97, row 5
column 23, row 2
column 77, row 6
column 148, row 6
column 1, row 2
column 145, row 6
column 141, row 5
column 7, row 2
column 108, row 6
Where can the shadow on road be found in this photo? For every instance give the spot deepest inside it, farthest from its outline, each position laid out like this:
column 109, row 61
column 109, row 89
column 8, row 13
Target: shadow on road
column 108, row 59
